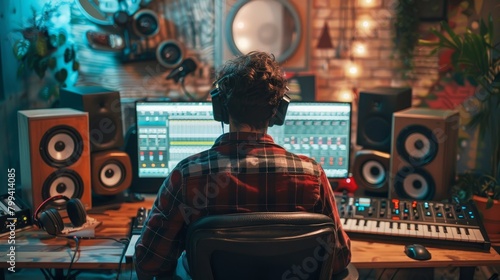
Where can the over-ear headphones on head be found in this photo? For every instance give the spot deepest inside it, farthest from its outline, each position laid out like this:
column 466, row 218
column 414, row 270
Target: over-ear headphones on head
column 51, row 221
column 221, row 114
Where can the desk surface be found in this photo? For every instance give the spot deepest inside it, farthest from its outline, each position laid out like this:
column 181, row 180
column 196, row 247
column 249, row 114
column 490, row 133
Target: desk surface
column 36, row 249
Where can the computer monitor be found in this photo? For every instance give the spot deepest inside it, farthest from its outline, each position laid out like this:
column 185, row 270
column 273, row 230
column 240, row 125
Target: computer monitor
column 319, row 130
column 168, row 132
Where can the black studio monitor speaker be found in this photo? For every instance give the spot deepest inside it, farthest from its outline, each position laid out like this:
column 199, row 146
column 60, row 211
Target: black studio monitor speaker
column 104, row 110
column 375, row 110
column 55, row 156
column 424, row 153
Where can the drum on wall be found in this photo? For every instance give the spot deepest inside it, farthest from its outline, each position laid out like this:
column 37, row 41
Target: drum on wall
column 276, row 26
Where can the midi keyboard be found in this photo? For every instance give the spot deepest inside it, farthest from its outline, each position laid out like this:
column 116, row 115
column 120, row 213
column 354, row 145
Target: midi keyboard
column 449, row 225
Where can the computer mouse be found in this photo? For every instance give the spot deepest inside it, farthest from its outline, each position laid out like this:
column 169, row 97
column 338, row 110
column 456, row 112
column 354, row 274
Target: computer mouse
column 417, row 252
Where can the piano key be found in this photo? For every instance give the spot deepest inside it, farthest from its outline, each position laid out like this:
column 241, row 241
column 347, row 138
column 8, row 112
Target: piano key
column 478, row 235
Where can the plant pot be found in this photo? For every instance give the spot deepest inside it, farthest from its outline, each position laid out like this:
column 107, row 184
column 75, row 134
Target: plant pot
column 490, row 217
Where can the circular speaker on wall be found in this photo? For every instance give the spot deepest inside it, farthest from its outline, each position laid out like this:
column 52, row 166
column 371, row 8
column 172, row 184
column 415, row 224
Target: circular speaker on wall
column 62, row 182
column 417, row 145
column 169, row 53
column 61, row 146
column 370, row 171
column 414, row 183
column 145, row 23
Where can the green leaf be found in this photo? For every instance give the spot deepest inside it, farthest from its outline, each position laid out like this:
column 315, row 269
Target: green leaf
column 21, row 48
column 41, row 46
column 40, row 68
column 20, row 70
column 489, row 203
column 76, row 65
column 53, row 40
column 62, row 39
column 61, row 75
column 52, row 63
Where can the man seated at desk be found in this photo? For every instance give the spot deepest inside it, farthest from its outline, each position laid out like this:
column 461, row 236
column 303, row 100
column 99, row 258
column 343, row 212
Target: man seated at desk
column 249, row 171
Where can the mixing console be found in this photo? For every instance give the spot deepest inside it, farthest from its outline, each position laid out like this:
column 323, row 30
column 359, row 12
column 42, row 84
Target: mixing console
column 427, row 222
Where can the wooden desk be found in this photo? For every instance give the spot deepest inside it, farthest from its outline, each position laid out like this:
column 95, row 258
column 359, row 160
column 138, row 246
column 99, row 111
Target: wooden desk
column 36, row 249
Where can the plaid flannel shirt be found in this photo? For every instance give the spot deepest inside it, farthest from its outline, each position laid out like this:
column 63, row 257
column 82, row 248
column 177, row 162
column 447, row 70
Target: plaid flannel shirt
column 242, row 172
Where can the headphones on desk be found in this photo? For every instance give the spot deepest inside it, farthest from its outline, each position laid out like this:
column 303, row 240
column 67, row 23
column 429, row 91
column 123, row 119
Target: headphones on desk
column 51, row 221
column 220, row 101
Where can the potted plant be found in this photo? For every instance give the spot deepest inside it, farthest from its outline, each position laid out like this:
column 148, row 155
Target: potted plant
column 474, row 57
column 45, row 50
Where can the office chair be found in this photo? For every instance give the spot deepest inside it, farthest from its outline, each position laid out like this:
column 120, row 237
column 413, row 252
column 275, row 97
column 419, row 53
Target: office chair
column 262, row 245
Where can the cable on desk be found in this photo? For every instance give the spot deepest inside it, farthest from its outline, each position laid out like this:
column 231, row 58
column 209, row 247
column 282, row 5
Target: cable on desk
column 124, row 241
column 77, row 246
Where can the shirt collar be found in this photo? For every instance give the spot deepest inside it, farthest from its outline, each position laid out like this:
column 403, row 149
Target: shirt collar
column 239, row 137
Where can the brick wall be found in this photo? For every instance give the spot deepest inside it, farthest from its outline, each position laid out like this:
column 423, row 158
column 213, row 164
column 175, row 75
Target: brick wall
column 378, row 66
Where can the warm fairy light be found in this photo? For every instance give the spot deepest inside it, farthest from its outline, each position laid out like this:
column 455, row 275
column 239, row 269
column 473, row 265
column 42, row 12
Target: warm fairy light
column 367, row 3
column 345, row 95
column 365, row 24
column 352, row 70
column 359, row 49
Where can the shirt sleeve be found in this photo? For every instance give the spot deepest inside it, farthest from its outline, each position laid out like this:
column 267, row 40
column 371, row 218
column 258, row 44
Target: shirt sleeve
column 340, row 242
column 163, row 236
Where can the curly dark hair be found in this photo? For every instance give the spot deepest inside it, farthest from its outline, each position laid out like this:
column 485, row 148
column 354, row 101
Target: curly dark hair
column 252, row 86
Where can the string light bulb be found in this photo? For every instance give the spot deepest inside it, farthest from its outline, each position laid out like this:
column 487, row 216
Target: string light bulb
column 359, row 49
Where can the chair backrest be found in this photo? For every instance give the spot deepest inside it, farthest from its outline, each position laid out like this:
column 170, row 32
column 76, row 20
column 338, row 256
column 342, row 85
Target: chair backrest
column 261, row 245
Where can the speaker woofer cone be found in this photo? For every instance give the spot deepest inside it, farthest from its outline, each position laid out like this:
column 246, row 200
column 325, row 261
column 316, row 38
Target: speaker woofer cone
column 112, row 174
column 62, row 182
column 373, row 172
column 417, row 145
column 61, row 146
column 377, row 131
column 414, row 183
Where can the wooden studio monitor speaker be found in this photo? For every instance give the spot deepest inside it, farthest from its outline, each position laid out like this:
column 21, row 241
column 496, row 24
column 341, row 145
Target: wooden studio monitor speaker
column 424, row 153
column 54, row 155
